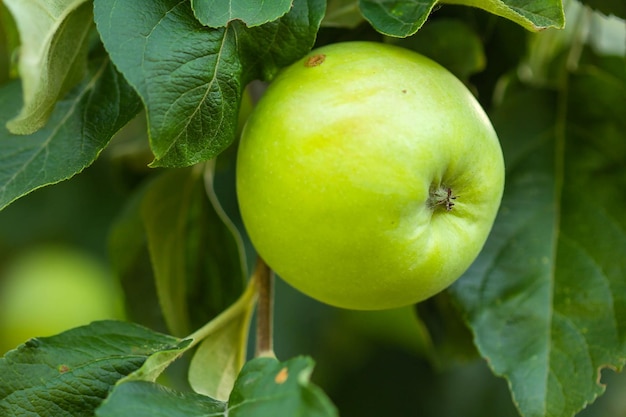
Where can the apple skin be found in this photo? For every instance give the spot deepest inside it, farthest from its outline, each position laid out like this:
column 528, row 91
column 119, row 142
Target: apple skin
column 368, row 176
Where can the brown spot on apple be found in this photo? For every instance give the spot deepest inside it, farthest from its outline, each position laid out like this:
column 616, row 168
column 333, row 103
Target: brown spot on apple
column 315, row 60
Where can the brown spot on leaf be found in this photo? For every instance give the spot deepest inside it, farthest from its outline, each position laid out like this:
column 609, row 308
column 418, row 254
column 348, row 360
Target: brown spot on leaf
column 315, row 60
column 281, row 376
column 63, row 369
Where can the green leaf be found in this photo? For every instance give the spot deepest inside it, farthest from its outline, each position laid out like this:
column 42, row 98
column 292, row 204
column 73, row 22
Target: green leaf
column 268, row 387
column 191, row 78
column 404, row 18
column 130, row 260
column 68, row 375
column 450, row 337
column 547, row 297
column 197, row 255
column 53, row 55
column 222, row 354
column 343, row 14
column 396, row 18
column 608, row 7
column 219, row 13
column 451, row 43
column 79, row 128
column 534, row 15
column 226, row 339
column 140, row 398
column 265, row 387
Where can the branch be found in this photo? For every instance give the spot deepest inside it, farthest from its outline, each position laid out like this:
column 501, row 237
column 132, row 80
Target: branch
column 264, row 328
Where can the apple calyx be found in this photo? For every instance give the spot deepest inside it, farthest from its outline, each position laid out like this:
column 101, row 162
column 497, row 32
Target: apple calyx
column 441, row 196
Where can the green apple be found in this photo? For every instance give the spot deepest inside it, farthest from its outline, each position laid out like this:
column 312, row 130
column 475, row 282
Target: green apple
column 368, row 176
column 51, row 289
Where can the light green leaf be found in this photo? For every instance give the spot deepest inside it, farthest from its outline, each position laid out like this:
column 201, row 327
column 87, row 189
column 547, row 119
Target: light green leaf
column 78, row 129
column 190, row 77
column 217, row 14
column 221, row 355
column 53, row 55
column 68, row 375
column 197, row 256
column 547, row 297
column 265, row 387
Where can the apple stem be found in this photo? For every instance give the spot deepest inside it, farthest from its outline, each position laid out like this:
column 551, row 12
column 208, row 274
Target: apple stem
column 265, row 306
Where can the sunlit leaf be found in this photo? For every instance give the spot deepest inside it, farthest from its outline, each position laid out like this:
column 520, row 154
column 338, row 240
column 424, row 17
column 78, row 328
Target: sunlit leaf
column 52, row 55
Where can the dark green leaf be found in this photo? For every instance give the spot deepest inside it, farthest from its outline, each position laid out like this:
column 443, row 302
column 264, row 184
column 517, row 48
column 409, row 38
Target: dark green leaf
column 68, row 375
column 396, row 18
column 265, row 50
column 534, row 15
column 451, row 43
column 547, row 297
column 451, row 340
column 196, row 254
column 265, row 387
column 268, row 387
column 52, row 55
column 219, row 13
column 130, row 260
column 139, row 399
column 608, row 7
column 78, row 129
column 191, row 77
column 404, row 18
column 342, row 13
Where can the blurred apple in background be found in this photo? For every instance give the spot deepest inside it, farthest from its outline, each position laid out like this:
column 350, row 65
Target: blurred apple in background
column 47, row 290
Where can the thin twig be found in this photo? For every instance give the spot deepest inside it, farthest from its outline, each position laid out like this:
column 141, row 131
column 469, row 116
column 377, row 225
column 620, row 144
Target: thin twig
column 265, row 306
